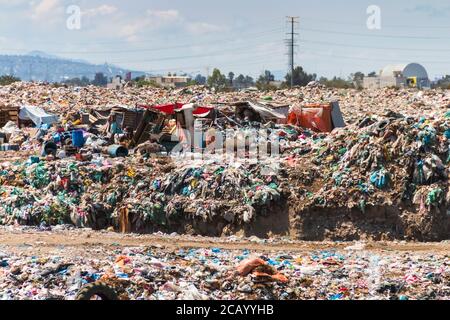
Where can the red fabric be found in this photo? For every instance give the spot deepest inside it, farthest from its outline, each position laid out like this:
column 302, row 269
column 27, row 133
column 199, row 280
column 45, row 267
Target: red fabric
column 170, row 108
column 167, row 108
column 201, row 110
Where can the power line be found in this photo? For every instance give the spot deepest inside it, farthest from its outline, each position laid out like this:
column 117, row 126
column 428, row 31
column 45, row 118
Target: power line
column 246, row 27
column 261, row 34
column 253, row 62
column 203, row 55
column 376, row 35
column 421, row 26
column 374, row 59
column 370, row 47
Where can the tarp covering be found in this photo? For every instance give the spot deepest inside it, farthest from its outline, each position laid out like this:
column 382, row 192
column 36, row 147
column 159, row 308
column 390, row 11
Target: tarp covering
column 171, row 108
column 265, row 112
column 318, row 117
column 37, row 115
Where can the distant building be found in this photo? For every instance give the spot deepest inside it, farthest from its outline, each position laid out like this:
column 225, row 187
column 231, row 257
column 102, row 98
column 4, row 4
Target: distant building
column 276, row 84
column 116, row 83
column 401, row 76
column 170, row 81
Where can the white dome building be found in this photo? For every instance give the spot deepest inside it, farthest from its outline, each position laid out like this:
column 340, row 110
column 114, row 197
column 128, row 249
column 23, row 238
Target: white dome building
column 400, row 75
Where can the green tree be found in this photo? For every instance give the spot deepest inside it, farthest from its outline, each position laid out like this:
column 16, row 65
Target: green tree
column 8, row 79
column 336, row 82
column 141, row 82
column 263, row 82
column 357, row 78
column 249, row 81
column 301, row 77
column 217, row 80
column 372, row 74
column 199, row 79
column 77, row 82
column 231, row 77
column 443, row 83
column 239, row 82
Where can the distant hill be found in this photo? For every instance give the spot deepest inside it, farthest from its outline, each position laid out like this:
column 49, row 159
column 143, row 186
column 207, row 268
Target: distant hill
column 39, row 66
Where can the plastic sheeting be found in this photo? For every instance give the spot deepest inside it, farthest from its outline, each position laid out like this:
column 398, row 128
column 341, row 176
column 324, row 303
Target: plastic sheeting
column 37, row 115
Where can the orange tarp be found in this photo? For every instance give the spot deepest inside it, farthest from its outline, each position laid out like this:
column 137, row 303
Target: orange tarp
column 312, row 116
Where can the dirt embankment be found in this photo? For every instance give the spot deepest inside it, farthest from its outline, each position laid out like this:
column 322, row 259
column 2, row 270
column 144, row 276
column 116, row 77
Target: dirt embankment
column 318, row 224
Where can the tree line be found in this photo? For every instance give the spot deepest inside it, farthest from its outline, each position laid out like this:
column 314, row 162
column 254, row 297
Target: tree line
column 221, row 82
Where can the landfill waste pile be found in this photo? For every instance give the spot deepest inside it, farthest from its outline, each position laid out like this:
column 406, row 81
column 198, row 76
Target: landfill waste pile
column 73, row 155
column 396, row 166
column 154, row 193
column 167, row 267
column 355, row 104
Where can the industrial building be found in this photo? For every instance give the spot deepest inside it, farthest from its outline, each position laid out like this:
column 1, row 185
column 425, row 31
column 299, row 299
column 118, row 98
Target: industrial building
column 401, row 75
column 170, row 81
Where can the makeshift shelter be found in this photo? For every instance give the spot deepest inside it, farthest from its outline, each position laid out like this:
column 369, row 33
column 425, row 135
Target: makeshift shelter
column 157, row 118
column 37, row 115
column 127, row 116
column 254, row 111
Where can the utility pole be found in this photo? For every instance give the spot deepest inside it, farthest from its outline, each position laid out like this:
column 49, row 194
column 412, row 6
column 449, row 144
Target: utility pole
column 291, row 45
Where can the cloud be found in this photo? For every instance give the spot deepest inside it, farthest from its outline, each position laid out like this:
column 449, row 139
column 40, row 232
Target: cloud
column 102, row 10
column 153, row 20
column 202, row 28
column 12, row 3
column 46, row 10
column 163, row 16
column 430, row 10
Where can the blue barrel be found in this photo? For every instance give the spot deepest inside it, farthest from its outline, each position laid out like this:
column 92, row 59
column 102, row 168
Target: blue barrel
column 116, row 150
column 77, row 138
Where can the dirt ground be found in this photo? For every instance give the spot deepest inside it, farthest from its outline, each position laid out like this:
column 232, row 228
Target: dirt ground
column 38, row 264
column 45, row 241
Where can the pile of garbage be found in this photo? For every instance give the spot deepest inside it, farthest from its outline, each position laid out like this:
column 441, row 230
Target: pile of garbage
column 153, row 191
column 75, row 156
column 158, row 273
column 400, row 157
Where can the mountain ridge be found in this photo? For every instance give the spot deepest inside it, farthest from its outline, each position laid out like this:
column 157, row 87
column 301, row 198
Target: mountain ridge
column 40, row 66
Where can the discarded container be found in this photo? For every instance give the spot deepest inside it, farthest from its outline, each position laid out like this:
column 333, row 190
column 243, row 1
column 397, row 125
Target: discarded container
column 34, row 159
column 9, row 147
column 77, row 138
column 49, row 147
column 116, row 150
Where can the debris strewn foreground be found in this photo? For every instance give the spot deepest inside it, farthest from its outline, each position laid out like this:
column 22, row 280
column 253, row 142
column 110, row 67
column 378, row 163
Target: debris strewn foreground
column 383, row 176
column 54, row 265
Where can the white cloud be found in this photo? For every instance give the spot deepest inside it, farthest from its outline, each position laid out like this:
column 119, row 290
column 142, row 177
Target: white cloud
column 46, row 10
column 163, row 16
column 102, row 10
column 202, row 28
column 12, row 3
column 152, row 21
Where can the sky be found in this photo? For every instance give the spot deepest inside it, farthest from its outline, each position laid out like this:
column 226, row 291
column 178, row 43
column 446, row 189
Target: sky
column 243, row 36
